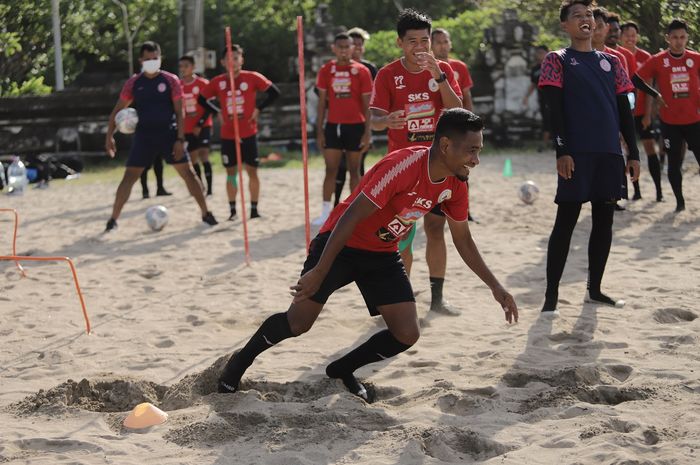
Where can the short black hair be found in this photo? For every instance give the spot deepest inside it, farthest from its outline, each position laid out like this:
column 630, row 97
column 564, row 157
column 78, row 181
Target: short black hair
column 341, row 36
column 439, row 30
column 410, row 19
column 601, row 13
column 613, row 18
column 567, row 4
column 234, row 48
column 187, row 58
column 457, row 122
column 149, row 46
column 630, row 24
column 542, row 47
column 677, row 23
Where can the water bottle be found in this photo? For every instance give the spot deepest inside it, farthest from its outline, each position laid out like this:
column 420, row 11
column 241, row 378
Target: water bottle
column 16, row 177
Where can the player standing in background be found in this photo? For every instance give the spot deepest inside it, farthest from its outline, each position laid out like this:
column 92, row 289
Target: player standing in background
column 197, row 133
column 344, row 87
column 409, row 95
column 248, row 84
column 629, row 39
column 157, row 97
column 677, row 74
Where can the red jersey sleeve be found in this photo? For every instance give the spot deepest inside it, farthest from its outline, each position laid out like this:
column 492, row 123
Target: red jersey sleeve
column 552, row 71
column 623, row 85
column 322, row 78
column 447, row 69
column 457, row 206
column 381, row 92
column 261, row 82
column 175, row 86
column 391, row 178
column 648, row 69
column 365, row 80
column 127, row 92
column 210, row 90
column 467, row 82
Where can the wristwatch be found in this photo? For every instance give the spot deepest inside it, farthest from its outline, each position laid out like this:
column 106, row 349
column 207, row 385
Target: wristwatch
column 442, row 78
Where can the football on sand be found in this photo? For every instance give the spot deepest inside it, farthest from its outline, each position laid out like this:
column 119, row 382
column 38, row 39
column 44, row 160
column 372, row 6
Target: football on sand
column 528, row 192
column 126, row 120
column 157, row 217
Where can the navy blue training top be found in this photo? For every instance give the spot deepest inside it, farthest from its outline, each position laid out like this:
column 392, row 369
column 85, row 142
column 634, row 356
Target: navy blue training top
column 591, row 82
column 153, row 99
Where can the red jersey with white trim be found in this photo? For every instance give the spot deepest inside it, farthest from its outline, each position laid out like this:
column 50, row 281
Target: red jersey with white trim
column 620, row 56
column 400, row 186
column 193, row 112
column 346, row 85
column 418, row 95
column 640, row 57
column 248, row 84
column 678, row 80
column 462, row 76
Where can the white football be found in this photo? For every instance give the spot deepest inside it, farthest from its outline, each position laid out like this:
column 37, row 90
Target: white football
column 126, row 120
column 528, row 192
column 157, row 217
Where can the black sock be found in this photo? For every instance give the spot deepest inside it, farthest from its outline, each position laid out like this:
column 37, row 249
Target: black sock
column 436, row 290
column 599, row 243
column 197, row 170
column 340, row 180
column 637, row 192
column 675, row 176
column 207, row 175
column 558, row 248
column 232, row 207
column 254, row 210
column 144, row 182
column 273, row 331
column 379, row 347
column 655, row 171
column 158, row 171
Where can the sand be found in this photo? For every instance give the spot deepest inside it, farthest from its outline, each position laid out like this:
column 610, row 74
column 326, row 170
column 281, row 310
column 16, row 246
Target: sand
column 594, row 385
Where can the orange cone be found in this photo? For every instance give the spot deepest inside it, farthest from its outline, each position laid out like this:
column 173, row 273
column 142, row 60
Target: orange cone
column 145, row 415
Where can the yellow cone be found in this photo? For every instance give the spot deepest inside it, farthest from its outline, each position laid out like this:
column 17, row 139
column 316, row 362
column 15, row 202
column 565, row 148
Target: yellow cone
column 145, row 415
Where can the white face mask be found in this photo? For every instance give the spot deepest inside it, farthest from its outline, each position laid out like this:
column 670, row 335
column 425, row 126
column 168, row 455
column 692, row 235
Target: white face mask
column 151, row 66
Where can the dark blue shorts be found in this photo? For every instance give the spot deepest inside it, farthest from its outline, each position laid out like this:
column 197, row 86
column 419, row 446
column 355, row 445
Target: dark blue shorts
column 147, row 145
column 598, row 177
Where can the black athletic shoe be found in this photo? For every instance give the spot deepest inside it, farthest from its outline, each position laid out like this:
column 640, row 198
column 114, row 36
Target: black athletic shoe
column 659, row 197
column 254, row 214
column 232, row 216
column 680, row 206
column 209, row 219
column 111, row 224
column 444, row 308
column 146, row 195
column 637, row 196
column 350, row 382
column 163, row 193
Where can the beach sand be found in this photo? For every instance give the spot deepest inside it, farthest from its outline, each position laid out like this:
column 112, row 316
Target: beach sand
column 594, row 385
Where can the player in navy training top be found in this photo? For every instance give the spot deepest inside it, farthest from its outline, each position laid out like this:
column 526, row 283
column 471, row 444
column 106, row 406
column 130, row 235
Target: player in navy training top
column 157, row 97
column 586, row 91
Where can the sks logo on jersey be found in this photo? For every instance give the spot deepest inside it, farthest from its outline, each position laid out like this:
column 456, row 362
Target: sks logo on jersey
column 398, row 82
column 419, row 97
column 678, row 69
column 424, row 203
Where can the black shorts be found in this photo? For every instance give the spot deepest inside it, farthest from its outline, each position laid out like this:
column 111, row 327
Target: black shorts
column 598, row 177
column 344, row 136
column 148, row 144
column 198, row 142
column 249, row 152
column 380, row 276
column 675, row 134
column 644, row 134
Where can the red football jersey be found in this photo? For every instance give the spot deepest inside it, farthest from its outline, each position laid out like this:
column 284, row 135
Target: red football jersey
column 640, row 57
column 400, row 186
column 462, row 76
column 418, row 95
column 345, row 87
column 620, row 56
column 678, row 80
column 248, row 84
column 193, row 112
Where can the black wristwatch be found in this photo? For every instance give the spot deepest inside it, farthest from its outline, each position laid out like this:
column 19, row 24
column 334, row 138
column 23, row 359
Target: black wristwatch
column 442, row 78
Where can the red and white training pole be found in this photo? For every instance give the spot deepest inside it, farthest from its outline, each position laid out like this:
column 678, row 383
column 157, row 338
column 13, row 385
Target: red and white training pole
column 304, row 140
column 239, row 158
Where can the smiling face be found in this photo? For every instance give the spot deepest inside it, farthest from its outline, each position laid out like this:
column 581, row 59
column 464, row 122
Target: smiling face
column 413, row 42
column 613, row 36
column 579, row 24
column 629, row 38
column 600, row 33
column 461, row 153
